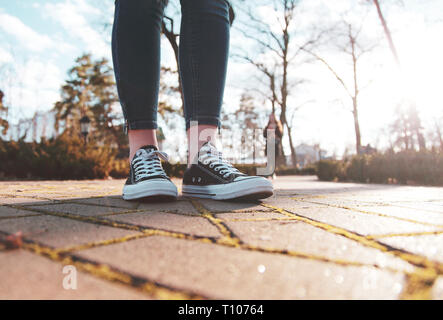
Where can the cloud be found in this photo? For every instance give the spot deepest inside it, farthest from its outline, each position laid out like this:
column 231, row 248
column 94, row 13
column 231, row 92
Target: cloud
column 5, row 56
column 27, row 37
column 36, row 87
column 74, row 17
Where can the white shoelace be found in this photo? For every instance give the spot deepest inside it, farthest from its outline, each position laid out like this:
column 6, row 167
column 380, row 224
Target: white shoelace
column 147, row 164
column 209, row 155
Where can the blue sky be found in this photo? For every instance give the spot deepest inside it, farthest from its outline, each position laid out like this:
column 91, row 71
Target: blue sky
column 39, row 41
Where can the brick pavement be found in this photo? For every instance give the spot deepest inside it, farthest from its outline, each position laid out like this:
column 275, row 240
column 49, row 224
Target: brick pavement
column 311, row 240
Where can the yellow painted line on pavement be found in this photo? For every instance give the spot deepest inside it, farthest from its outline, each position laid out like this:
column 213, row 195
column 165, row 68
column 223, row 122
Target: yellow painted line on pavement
column 259, row 219
column 104, row 271
column 418, row 283
column 229, row 241
column 373, row 213
column 413, row 259
column 95, row 244
column 308, row 256
column 21, row 216
column 229, row 238
column 407, row 234
column 122, row 225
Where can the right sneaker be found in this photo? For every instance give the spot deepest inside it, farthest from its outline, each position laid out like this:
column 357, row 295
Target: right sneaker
column 213, row 177
column 147, row 179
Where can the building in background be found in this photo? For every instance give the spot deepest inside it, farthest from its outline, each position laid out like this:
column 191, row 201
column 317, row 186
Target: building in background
column 307, row 154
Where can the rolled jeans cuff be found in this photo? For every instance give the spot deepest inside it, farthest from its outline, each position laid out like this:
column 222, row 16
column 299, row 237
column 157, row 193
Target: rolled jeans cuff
column 141, row 124
column 204, row 120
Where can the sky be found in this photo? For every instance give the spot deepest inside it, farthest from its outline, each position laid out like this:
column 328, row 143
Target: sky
column 40, row 40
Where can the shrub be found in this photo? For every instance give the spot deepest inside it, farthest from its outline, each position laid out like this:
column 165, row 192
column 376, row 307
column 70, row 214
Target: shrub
column 406, row 167
column 59, row 158
column 328, row 170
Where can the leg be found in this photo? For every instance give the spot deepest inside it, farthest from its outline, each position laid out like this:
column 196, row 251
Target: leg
column 136, row 57
column 204, row 46
column 203, row 55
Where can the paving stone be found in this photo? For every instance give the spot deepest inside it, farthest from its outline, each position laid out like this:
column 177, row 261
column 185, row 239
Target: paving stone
column 219, row 271
column 172, row 222
column 22, row 201
column 431, row 206
column 25, row 275
column 222, row 272
column 300, row 237
column 6, row 212
column 60, row 232
column 437, row 290
column 290, row 202
column 109, row 201
column 408, row 213
column 430, row 246
column 79, row 209
column 248, row 215
column 230, row 206
column 179, row 206
column 367, row 224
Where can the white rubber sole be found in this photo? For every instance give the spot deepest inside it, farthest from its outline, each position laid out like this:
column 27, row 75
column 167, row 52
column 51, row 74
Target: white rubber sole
column 252, row 188
column 150, row 188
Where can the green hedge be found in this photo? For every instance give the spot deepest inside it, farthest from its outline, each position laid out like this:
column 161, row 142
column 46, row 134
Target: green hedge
column 406, row 167
column 60, row 158
column 67, row 157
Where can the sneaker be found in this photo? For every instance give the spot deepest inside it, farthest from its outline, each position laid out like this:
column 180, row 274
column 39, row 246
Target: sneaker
column 147, row 179
column 215, row 178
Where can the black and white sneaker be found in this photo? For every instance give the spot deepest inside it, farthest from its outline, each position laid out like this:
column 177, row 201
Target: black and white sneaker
column 147, row 179
column 215, row 178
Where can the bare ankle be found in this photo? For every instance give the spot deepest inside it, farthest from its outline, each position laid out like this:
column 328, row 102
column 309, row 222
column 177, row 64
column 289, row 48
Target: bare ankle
column 140, row 138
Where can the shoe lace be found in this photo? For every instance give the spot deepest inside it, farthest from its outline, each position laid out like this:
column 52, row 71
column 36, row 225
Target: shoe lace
column 215, row 160
column 147, row 163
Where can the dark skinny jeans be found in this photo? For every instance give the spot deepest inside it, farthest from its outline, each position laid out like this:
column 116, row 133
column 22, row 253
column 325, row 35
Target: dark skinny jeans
column 203, row 57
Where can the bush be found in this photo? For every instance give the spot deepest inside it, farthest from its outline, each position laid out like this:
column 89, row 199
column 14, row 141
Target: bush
column 328, row 170
column 59, row 158
column 406, row 167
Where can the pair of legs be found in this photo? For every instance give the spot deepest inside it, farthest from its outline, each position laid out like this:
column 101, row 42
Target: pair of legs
column 203, row 56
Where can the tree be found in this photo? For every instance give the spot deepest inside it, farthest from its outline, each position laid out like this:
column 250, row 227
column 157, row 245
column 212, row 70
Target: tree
column 279, row 47
column 438, row 134
column 4, row 124
column 248, row 118
column 354, row 50
column 90, row 91
column 407, row 129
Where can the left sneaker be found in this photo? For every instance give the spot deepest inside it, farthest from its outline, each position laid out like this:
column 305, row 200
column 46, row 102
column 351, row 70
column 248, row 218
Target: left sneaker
column 147, row 179
column 215, row 178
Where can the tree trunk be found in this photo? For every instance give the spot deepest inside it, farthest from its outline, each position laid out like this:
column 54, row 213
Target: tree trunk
column 439, row 136
column 291, row 145
column 356, row 126
column 355, row 97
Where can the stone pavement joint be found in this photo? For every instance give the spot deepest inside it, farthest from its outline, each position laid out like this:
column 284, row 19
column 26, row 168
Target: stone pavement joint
column 371, row 213
column 78, row 200
column 103, row 271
